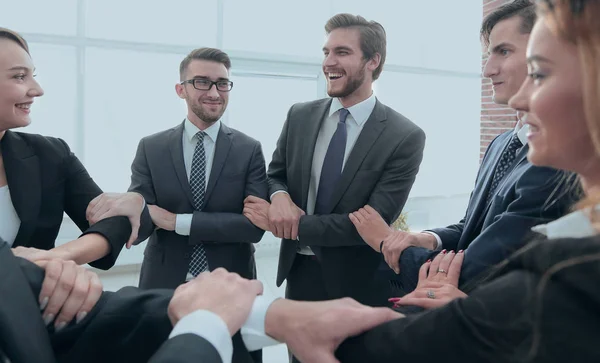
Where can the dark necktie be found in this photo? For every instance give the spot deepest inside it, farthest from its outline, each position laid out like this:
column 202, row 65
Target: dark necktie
column 506, row 160
column 198, row 262
column 332, row 165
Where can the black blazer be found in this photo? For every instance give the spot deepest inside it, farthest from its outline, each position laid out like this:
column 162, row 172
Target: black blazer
column 379, row 171
column 45, row 180
column 126, row 326
column 187, row 348
column 547, row 294
column 238, row 170
column 528, row 195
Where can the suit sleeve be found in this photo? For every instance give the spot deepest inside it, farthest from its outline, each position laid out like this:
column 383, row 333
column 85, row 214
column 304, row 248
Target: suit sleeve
column 234, row 227
column 494, row 324
column 277, row 173
column 451, row 234
column 80, row 189
column 141, row 182
column 533, row 204
column 186, row 348
column 388, row 198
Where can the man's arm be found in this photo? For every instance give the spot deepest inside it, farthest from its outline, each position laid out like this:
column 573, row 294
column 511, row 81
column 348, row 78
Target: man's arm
column 539, row 199
column 234, row 227
column 388, row 198
column 187, row 348
column 277, row 173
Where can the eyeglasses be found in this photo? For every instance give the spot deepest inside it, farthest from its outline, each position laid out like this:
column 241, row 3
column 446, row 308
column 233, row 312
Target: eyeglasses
column 206, row 84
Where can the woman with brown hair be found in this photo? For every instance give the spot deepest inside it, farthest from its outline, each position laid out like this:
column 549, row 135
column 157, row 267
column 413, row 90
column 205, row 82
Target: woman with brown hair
column 543, row 304
column 41, row 179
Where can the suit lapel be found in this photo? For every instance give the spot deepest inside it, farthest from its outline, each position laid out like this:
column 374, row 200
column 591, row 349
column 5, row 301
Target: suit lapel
column 369, row 134
column 21, row 327
column 319, row 112
column 222, row 147
column 23, row 174
column 176, row 150
column 520, row 158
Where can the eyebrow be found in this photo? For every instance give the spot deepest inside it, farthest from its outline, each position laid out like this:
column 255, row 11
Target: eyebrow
column 338, row 48
column 20, row 68
column 207, row 78
column 538, row 58
column 497, row 48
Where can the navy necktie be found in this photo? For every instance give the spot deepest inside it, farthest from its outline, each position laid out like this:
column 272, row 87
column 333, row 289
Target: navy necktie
column 506, row 160
column 198, row 262
column 332, row 165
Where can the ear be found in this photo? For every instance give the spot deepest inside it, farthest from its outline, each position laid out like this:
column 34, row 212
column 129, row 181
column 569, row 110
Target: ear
column 374, row 62
column 180, row 90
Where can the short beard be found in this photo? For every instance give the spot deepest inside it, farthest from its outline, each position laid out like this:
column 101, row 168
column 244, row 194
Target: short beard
column 353, row 84
column 204, row 116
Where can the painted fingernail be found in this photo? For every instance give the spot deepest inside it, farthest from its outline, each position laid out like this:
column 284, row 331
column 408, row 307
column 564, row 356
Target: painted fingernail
column 48, row 319
column 44, row 303
column 81, row 316
column 461, row 251
column 428, row 261
column 60, row 326
column 443, row 252
column 393, row 299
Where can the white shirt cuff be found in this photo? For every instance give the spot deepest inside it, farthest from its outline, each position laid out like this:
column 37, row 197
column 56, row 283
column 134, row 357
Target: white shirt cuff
column 437, row 238
column 277, row 192
column 209, row 326
column 183, row 224
column 253, row 331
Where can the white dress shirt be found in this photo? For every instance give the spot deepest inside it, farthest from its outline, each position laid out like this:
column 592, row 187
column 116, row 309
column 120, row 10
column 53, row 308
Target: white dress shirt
column 358, row 116
column 9, row 220
column 183, row 222
column 573, row 225
column 521, row 131
column 212, row 328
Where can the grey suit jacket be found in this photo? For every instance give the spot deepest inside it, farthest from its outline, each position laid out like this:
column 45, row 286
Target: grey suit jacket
column 380, row 171
column 238, row 170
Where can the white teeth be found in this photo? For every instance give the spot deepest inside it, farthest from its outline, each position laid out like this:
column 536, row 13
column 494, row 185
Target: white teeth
column 334, row 75
column 24, row 106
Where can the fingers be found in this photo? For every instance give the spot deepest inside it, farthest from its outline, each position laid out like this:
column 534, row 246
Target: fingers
column 252, row 199
column 63, row 284
column 423, row 271
column 74, row 299
column 371, row 211
column 455, row 267
column 135, row 228
column 294, row 234
column 91, row 206
column 53, row 272
column 445, row 264
column 353, row 219
column 94, row 294
column 435, row 264
column 423, row 302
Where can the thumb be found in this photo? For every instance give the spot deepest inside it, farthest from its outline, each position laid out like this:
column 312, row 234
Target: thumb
column 372, row 318
column 135, row 226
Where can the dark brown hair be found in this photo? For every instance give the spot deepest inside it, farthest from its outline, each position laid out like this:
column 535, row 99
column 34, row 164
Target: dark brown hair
column 209, row 54
column 372, row 36
column 524, row 9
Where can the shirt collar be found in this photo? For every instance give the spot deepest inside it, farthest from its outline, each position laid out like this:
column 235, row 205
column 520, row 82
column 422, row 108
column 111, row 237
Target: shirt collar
column 573, row 225
column 360, row 112
column 191, row 130
column 521, row 131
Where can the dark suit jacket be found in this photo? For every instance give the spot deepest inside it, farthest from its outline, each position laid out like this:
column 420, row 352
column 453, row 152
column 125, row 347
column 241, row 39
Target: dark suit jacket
column 490, row 232
column 127, row 326
column 547, row 294
column 45, row 180
column 187, row 348
column 238, row 170
column 379, row 171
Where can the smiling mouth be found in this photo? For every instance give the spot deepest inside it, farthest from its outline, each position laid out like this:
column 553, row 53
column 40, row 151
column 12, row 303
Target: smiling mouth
column 332, row 76
column 24, row 106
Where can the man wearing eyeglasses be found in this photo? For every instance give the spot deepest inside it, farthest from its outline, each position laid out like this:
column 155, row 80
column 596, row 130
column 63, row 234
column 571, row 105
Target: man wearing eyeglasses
column 195, row 178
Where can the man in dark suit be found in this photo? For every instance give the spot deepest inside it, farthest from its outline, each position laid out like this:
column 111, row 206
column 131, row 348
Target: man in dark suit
column 126, row 326
column 333, row 156
column 194, row 178
column 510, row 194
